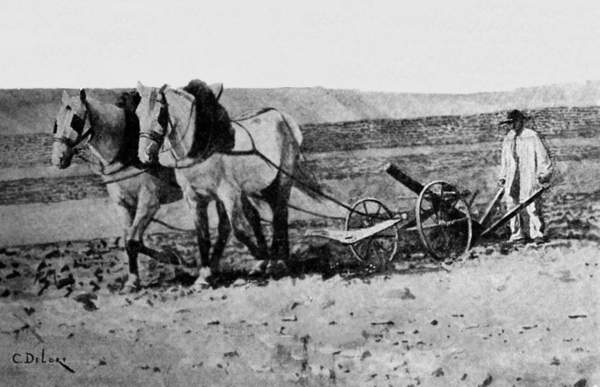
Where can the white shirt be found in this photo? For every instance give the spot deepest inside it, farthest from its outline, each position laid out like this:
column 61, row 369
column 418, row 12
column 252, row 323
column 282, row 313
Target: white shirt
column 525, row 161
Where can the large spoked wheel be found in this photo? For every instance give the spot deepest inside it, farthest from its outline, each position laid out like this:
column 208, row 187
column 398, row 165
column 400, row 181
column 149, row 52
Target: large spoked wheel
column 380, row 247
column 443, row 221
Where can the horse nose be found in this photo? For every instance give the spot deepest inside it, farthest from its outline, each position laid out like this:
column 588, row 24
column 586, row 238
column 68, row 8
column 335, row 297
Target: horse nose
column 148, row 154
column 144, row 155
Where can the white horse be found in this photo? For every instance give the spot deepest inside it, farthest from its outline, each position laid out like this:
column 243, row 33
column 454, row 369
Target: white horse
column 217, row 159
column 111, row 134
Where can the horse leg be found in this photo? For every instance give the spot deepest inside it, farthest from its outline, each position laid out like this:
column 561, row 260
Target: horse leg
column 199, row 207
column 145, row 212
column 231, row 200
column 253, row 217
column 277, row 196
column 147, row 206
column 126, row 214
column 224, row 231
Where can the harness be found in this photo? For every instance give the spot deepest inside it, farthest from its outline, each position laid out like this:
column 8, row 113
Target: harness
column 190, row 162
column 164, row 119
column 77, row 124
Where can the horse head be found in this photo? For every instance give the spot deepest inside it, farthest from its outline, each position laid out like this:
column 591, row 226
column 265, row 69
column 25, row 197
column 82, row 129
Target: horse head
column 151, row 111
column 174, row 115
column 71, row 127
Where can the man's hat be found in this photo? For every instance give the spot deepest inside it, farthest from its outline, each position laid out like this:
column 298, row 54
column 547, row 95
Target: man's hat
column 513, row 116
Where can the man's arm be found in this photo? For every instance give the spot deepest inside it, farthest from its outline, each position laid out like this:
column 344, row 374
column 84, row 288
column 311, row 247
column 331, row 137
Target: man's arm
column 543, row 161
column 503, row 163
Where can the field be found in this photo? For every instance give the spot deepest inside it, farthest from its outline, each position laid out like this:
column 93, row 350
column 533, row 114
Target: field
column 503, row 315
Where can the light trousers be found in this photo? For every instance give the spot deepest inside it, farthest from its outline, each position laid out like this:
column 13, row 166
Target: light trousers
column 530, row 215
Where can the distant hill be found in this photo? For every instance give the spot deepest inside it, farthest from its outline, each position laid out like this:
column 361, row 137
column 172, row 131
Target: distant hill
column 33, row 110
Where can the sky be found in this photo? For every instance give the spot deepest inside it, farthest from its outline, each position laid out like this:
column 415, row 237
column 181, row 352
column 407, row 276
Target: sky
column 456, row 46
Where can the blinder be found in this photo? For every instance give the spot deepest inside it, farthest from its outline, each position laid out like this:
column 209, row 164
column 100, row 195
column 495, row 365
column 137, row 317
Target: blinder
column 77, row 124
column 163, row 116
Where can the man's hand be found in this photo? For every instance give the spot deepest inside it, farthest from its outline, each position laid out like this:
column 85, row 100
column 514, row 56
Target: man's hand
column 543, row 178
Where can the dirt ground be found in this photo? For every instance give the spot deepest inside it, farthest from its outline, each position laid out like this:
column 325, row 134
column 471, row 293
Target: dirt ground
column 520, row 315
column 503, row 315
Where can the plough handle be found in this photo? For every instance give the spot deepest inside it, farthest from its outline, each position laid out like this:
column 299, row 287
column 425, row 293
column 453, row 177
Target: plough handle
column 491, row 206
column 513, row 212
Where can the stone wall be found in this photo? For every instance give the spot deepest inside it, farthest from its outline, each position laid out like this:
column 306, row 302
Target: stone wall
column 561, row 122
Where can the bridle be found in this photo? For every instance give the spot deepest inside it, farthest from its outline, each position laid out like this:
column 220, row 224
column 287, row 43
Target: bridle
column 77, row 124
column 156, row 137
column 165, row 122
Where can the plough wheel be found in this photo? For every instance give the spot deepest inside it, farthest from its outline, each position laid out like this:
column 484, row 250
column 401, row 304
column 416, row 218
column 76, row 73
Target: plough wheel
column 380, row 247
column 443, row 220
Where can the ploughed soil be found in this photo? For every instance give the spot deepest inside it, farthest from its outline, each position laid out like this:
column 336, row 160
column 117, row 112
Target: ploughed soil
column 500, row 315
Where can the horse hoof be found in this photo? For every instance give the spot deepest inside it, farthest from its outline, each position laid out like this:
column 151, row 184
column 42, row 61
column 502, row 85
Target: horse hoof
column 202, row 281
column 129, row 289
column 258, row 268
column 131, row 286
column 276, row 268
column 200, row 285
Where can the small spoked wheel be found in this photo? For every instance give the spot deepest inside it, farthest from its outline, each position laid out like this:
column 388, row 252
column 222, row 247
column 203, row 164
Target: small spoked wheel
column 443, row 220
column 378, row 248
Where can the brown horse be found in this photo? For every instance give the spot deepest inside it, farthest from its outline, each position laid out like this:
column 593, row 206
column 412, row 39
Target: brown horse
column 217, row 159
column 111, row 134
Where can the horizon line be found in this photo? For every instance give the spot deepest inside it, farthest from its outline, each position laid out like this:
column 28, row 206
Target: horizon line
column 558, row 84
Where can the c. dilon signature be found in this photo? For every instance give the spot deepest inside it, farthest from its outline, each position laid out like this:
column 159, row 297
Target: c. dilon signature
column 29, row 358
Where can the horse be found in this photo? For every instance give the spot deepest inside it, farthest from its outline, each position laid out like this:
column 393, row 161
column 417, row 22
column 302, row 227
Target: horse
column 111, row 131
column 231, row 162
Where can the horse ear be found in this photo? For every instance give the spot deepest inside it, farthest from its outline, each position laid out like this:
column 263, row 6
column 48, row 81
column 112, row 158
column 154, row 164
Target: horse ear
column 163, row 88
column 65, row 97
column 217, row 89
column 82, row 95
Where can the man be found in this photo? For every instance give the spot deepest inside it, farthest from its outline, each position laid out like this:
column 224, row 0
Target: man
column 524, row 168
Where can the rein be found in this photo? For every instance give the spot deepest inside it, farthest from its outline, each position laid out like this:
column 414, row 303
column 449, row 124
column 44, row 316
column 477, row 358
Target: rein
column 101, row 170
column 159, row 139
column 253, row 152
column 77, row 151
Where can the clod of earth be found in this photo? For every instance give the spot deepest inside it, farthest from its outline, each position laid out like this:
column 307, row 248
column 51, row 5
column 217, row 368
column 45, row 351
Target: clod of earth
column 437, row 373
column 86, row 300
column 486, row 382
column 407, row 295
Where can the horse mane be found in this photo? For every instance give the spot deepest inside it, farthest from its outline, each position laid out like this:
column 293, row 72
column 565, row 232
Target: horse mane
column 214, row 132
column 128, row 102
